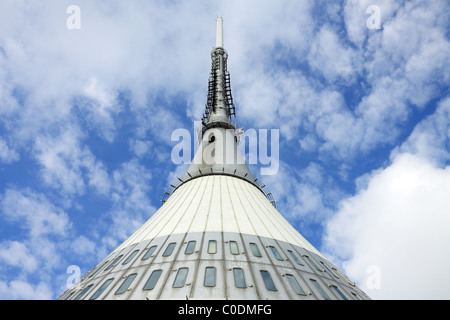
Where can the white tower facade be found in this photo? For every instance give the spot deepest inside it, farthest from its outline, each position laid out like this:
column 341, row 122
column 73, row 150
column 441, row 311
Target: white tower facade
column 218, row 234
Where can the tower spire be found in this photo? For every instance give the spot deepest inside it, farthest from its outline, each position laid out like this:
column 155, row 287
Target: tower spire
column 219, row 32
column 219, row 104
column 218, row 152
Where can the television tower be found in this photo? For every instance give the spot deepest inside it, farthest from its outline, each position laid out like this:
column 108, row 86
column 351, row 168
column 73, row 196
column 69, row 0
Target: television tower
column 218, row 234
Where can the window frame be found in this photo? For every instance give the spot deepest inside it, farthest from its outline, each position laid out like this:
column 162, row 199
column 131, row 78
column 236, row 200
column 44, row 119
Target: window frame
column 254, row 246
column 131, row 257
column 102, row 289
column 145, row 288
column 190, row 247
column 268, row 281
column 275, row 253
column 320, row 289
column 149, row 252
column 83, row 293
column 212, row 244
column 239, row 278
column 234, row 247
column 177, row 282
column 169, row 249
column 208, row 284
column 126, row 284
column 295, row 285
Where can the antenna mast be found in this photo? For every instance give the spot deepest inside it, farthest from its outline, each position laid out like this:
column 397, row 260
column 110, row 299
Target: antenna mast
column 219, row 105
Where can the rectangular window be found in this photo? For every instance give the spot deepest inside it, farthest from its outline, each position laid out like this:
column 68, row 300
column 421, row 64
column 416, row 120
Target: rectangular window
column 255, row 250
column 98, row 269
column 239, row 280
column 355, row 296
column 334, row 274
column 149, row 253
column 234, row 247
column 83, row 292
column 212, row 246
column 295, row 285
column 210, row 277
column 126, row 283
column 339, row 292
column 102, row 288
column 275, row 253
column 169, row 249
column 190, row 247
column 268, row 282
column 312, row 263
column 131, row 256
column 180, row 279
column 113, row 264
column 320, row 289
column 295, row 258
column 151, row 282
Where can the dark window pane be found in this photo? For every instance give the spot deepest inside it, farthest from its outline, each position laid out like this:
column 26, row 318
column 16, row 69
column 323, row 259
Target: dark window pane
column 180, row 279
column 126, row 283
column 212, row 246
column 113, row 264
column 131, row 256
column 339, row 292
column 275, row 253
column 190, row 247
column 239, row 280
column 295, row 285
column 210, row 277
column 234, row 247
column 102, row 288
column 151, row 282
column 295, row 257
column 169, row 249
column 319, row 288
column 313, row 264
column 83, row 292
column 268, row 282
column 255, row 250
column 149, row 253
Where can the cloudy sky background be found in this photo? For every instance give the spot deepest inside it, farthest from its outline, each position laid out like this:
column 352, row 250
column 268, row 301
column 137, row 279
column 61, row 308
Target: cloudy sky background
column 86, row 117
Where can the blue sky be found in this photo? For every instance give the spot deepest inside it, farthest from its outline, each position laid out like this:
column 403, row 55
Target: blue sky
column 86, row 117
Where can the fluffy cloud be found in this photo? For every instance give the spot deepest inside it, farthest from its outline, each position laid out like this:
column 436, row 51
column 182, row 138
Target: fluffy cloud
column 18, row 289
column 7, row 155
column 69, row 166
column 35, row 213
column 393, row 232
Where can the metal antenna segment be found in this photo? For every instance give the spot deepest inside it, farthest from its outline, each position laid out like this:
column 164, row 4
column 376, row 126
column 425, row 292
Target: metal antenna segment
column 219, row 104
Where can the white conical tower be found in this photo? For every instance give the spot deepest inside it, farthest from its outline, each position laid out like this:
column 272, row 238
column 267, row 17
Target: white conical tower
column 218, row 234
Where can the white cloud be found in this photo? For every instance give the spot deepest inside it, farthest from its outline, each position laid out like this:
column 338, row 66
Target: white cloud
column 431, row 137
column 397, row 220
column 331, row 58
column 19, row 289
column 398, row 224
column 16, row 254
column 68, row 166
column 7, row 155
column 83, row 246
column 34, row 212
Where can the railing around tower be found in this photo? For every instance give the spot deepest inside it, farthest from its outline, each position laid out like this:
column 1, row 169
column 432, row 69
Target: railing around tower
column 210, row 171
